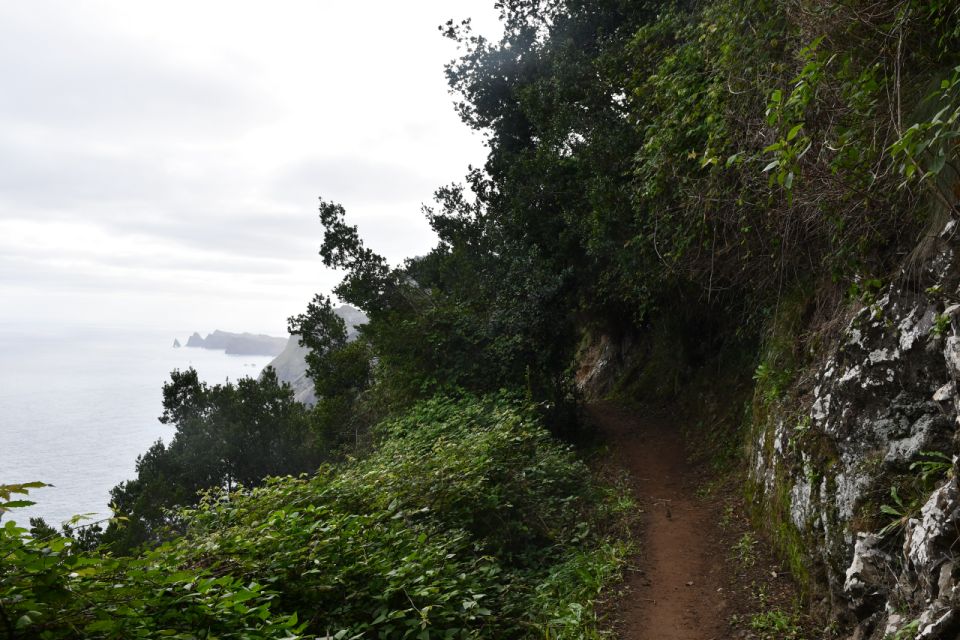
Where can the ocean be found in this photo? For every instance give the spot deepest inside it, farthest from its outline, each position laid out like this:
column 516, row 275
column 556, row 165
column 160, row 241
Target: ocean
column 78, row 405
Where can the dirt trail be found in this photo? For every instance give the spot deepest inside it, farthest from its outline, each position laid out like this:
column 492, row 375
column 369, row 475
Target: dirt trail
column 676, row 590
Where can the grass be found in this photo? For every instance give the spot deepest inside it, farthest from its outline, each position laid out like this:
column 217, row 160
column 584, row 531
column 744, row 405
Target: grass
column 776, row 624
column 745, row 550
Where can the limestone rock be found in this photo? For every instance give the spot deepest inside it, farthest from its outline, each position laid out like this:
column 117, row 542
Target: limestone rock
column 864, row 577
column 883, row 395
column 931, row 538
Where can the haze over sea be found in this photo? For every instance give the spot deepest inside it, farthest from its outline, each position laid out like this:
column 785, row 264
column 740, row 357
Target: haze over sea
column 78, row 405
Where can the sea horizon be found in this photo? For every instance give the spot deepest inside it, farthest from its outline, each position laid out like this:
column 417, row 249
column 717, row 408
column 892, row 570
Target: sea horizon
column 79, row 403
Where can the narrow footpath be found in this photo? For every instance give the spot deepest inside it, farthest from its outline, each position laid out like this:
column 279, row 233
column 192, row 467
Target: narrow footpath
column 676, row 590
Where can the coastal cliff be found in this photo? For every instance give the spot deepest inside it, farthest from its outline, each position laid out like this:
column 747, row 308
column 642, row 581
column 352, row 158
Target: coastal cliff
column 239, row 344
column 291, row 365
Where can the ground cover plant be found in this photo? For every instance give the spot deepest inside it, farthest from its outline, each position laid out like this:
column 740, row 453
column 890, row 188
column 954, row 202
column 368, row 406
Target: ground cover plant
column 469, row 521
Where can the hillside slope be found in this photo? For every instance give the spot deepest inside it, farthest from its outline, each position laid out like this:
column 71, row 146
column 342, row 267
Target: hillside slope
column 470, row 521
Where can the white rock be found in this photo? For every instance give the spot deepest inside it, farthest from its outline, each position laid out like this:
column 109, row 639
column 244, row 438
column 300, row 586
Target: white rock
column 850, row 486
column 894, row 622
column 948, row 229
column 821, row 408
column 867, row 566
column 951, row 354
column 922, row 434
column 883, row 355
column 946, row 392
column 924, row 534
column 933, row 623
column 851, row 374
column 800, row 506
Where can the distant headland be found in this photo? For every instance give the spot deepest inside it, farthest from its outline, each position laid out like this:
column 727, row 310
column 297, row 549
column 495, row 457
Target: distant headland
column 239, row 344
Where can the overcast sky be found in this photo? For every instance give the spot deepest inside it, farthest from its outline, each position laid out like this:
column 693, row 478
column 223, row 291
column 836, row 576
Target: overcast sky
column 160, row 162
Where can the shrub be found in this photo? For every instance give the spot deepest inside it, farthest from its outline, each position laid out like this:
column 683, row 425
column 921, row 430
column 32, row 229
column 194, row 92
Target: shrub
column 468, row 521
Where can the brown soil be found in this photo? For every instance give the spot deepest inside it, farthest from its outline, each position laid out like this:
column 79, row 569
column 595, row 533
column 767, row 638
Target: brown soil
column 689, row 582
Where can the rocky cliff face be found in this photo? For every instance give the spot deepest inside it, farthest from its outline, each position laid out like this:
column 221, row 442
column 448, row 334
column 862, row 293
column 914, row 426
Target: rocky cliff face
column 856, row 471
column 291, row 363
column 852, row 443
column 240, row 344
column 291, row 367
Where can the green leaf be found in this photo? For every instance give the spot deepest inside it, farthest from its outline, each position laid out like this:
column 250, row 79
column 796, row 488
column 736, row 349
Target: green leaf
column 939, row 161
column 16, row 504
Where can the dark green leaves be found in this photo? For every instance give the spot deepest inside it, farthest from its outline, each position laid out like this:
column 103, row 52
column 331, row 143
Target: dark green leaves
column 470, row 521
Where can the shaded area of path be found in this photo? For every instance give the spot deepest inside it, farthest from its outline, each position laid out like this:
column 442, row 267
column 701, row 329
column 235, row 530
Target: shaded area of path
column 675, row 591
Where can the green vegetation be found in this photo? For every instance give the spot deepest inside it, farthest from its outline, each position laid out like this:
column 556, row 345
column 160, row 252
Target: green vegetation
column 469, row 521
column 227, row 435
column 776, row 625
column 713, row 172
column 915, row 488
column 711, row 177
column 340, row 371
column 744, row 550
column 908, row 631
column 773, row 622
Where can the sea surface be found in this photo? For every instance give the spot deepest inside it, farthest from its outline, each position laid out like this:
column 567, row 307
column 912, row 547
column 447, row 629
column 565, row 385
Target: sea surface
column 77, row 406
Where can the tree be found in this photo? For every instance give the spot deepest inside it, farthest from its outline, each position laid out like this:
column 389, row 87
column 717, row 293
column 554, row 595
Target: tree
column 226, row 435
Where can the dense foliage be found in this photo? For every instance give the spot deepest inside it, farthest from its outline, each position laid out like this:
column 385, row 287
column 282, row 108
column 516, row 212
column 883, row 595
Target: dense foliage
column 226, row 435
column 673, row 162
column 470, row 521
column 652, row 164
column 340, row 370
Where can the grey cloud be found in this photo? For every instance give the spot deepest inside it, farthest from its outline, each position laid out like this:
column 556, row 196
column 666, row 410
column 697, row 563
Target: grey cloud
column 60, row 76
column 352, row 180
column 134, row 196
column 245, row 234
column 251, row 235
column 132, row 141
column 34, row 176
column 199, row 262
column 39, row 274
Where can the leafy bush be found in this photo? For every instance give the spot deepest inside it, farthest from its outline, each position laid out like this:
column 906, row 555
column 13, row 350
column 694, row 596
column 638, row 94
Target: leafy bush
column 481, row 466
column 469, row 521
column 226, row 435
column 51, row 589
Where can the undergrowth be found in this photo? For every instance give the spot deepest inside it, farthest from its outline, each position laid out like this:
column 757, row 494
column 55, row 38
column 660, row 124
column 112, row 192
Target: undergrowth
column 468, row 521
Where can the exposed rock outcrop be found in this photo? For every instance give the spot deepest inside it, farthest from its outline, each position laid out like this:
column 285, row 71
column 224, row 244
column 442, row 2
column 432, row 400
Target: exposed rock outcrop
column 291, row 367
column 861, row 468
column 601, row 364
